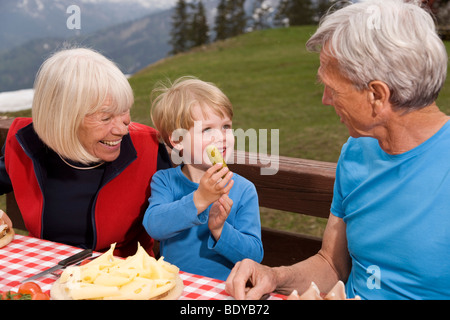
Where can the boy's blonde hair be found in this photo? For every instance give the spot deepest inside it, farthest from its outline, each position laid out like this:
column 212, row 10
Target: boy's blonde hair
column 71, row 84
column 172, row 108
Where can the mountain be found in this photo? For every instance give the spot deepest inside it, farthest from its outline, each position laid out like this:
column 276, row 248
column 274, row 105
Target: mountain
column 25, row 20
column 132, row 45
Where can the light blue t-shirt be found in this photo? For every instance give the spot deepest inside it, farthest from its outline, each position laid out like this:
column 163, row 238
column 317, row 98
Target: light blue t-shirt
column 185, row 239
column 397, row 213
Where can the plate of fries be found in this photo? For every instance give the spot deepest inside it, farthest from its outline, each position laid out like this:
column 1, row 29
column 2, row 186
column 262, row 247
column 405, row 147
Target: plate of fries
column 138, row 277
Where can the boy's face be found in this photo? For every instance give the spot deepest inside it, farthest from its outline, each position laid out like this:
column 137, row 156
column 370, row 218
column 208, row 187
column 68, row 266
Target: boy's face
column 208, row 129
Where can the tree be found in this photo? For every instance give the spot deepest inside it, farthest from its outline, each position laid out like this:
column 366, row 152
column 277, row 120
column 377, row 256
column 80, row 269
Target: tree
column 300, row 12
column 295, row 13
column 281, row 18
column 441, row 10
column 322, row 7
column 221, row 21
column 189, row 26
column 199, row 26
column 238, row 18
column 180, row 28
column 231, row 19
column 262, row 10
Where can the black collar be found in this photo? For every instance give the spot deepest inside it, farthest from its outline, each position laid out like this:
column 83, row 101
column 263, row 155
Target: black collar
column 35, row 148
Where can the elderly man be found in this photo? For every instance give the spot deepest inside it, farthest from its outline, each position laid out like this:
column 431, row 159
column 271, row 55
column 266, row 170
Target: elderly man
column 382, row 66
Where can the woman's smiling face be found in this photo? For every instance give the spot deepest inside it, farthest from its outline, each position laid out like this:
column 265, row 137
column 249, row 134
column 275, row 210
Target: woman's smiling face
column 101, row 133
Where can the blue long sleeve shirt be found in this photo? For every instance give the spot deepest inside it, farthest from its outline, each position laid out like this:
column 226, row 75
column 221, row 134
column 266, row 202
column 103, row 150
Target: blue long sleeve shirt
column 185, row 239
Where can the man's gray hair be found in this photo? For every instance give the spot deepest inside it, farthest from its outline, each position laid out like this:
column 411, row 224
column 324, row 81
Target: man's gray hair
column 393, row 41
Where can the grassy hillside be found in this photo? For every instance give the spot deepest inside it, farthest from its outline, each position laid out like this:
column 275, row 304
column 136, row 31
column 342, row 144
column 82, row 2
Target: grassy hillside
column 271, row 81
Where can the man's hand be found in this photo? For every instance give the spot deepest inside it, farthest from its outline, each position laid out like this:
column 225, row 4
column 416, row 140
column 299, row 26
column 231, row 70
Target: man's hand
column 262, row 278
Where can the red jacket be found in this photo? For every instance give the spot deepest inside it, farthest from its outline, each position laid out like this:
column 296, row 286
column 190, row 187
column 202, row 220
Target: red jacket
column 121, row 202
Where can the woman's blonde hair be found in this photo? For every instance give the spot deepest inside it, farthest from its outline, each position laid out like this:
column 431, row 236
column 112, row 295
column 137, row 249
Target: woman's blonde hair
column 70, row 85
column 172, row 108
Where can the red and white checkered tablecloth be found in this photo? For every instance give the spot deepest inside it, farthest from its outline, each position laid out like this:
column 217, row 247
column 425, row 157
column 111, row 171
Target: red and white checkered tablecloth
column 202, row 288
column 27, row 256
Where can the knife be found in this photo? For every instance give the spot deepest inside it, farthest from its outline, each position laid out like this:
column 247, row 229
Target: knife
column 80, row 256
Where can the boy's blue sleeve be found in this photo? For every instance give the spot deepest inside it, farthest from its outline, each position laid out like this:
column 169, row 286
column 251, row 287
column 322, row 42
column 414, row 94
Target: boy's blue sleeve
column 241, row 237
column 166, row 217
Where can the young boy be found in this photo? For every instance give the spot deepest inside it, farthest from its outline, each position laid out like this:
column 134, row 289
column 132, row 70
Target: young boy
column 205, row 217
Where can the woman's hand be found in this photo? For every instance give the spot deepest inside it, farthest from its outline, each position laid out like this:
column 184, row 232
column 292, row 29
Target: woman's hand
column 218, row 214
column 214, row 183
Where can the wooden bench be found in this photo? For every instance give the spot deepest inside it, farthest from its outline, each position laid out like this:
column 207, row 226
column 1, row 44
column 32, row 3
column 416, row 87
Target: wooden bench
column 300, row 186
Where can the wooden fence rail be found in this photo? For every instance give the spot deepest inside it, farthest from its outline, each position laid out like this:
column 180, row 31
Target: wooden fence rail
column 300, row 186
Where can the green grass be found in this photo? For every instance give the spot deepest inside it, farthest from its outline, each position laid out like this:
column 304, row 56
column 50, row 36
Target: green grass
column 271, row 80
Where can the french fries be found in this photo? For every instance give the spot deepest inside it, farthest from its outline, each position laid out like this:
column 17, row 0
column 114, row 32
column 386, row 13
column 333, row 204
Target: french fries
column 138, row 277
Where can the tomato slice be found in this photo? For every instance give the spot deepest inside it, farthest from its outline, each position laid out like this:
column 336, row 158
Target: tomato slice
column 27, row 291
column 40, row 296
column 30, row 288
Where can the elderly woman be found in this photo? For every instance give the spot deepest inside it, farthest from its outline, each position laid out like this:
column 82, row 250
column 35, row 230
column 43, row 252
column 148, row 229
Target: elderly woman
column 80, row 169
column 388, row 234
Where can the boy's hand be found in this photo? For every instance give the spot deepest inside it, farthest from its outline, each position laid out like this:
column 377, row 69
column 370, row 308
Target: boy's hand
column 212, row 186
column 218, row 214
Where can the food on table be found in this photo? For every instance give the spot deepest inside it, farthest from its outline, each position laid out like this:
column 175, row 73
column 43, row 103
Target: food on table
column 138, row 277
column 6, row 233
column 27, row 291
column 313, row 293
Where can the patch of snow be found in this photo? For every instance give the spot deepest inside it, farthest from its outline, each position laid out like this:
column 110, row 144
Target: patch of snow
column 12, row 101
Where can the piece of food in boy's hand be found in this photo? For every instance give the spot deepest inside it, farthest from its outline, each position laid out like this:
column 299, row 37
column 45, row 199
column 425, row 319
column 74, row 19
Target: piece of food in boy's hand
column 215, row 156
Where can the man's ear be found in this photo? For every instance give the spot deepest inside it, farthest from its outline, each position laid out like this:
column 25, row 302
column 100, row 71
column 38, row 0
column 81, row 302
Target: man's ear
column 379, row 95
